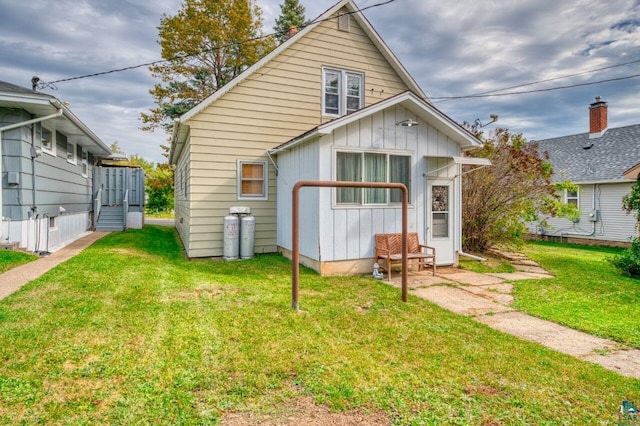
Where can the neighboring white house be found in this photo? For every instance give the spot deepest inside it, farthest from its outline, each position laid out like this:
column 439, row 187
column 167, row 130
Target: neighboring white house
column 329, row 103
column 46, row 165
column 601, row 162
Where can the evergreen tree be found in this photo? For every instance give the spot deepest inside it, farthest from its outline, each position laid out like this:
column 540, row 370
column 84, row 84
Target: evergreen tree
column 291, row 13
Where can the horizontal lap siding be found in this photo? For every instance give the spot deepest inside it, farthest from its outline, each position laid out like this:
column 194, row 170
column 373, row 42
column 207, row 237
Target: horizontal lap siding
column 275, row 104
column 613, row 223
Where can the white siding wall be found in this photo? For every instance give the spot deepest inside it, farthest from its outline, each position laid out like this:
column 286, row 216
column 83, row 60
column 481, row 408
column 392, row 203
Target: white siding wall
column 346, row 233
column 299, row 164
column 613, row 223
column 181, row 203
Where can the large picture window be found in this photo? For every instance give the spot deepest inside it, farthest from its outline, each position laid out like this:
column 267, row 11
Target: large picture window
column 342, row 91
column 372, row 167
column 252, row 180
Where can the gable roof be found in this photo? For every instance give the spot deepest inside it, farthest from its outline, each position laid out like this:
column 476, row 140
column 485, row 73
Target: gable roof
column 605, row 161
column 42, row 104
column 366, row 27
column 422, row 109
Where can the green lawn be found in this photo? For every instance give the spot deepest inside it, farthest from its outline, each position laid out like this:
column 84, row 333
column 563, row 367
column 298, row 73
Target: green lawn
column 129, row 332
column 586, row 294
column 10, row 259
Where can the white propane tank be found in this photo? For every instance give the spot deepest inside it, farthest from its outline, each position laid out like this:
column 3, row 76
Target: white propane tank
column 247, row 236
column 231, row 249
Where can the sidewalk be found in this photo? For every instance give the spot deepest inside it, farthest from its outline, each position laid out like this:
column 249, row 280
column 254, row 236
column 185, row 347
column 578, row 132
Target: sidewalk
column 13, row 279
column 487, row 299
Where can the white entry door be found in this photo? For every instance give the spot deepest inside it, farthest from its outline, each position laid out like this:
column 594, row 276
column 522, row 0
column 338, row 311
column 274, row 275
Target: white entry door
column 440, row 219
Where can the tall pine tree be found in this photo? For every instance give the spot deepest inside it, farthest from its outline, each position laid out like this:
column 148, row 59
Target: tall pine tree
column 291, row 14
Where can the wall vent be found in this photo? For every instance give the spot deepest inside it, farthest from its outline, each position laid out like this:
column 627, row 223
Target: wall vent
column 344, row 22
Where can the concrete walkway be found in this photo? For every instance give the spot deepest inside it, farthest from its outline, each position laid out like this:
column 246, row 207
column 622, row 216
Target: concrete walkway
column 13, row 279
column 487, row 299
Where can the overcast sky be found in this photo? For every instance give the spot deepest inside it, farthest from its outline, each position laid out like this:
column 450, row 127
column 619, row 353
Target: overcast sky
column 451, row 49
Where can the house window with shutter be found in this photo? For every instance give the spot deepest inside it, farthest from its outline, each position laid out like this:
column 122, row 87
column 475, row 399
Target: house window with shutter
column 71, row 153
column 342, row 91
column 48, row 141
column 252, row 180
column 85, row 163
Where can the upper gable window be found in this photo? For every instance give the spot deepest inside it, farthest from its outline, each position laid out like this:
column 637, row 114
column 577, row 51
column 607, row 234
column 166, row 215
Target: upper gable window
column 342, row 92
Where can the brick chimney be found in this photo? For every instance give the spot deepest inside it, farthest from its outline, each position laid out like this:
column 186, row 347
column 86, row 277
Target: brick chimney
column 597, row 118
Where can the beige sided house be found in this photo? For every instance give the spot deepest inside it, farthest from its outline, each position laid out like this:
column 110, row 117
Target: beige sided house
column 228, row 148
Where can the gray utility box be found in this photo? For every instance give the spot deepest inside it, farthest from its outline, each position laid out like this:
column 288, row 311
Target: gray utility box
column 594, row 215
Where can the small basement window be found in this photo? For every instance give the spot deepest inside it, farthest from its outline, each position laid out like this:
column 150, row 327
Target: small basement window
column 252, row 180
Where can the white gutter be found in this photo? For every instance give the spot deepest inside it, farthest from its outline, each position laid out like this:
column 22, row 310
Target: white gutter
column 14, row 126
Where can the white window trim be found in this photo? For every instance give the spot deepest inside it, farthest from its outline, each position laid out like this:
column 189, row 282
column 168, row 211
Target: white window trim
column 577, row 197
column 361, row 205
column 342, row 90
column 265, row 180
column 52, row 150
column 84, row 162
column 74, row 157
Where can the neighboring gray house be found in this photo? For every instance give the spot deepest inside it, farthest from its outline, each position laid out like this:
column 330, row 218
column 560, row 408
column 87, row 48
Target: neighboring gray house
column 47, row 169
column 599, row 163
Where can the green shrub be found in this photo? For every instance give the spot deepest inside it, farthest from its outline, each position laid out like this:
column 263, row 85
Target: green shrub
column 628, row 262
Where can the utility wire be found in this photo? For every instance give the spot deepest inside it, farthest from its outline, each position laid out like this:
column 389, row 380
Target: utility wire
column 445, row 99
column 187, row 56
column 570, row 86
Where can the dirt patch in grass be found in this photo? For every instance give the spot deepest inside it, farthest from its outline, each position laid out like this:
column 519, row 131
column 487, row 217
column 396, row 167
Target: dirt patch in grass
column 302, row 411
column 133, row 252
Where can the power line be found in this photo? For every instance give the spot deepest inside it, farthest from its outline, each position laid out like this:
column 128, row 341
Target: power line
column 187, row 56
column 445, row 99
column 570, row 86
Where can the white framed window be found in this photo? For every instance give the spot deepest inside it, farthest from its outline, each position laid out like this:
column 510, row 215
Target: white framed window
column 85, row 163
column 370, row 166
column 252, row 180
column 53, row 223
column 48, row 140
column 72, row 154
column 572, row 197
column 342, row 91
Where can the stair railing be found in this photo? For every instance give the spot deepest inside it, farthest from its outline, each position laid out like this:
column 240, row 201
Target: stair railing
column 97, row 205
column 125, row 209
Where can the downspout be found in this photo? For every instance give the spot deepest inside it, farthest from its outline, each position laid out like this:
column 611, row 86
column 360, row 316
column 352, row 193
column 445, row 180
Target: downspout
column 15, row 126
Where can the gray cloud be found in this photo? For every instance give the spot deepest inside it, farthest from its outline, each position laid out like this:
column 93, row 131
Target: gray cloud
column 450, row 48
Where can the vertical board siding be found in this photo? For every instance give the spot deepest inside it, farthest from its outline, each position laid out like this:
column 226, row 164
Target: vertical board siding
column 347, row 233
column 273, row 105
column 296, row 165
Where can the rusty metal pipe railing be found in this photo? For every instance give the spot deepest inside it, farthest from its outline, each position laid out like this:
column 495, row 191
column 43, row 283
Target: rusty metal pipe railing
column 295, row 236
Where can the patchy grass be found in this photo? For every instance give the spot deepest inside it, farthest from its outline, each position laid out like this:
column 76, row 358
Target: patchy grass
column 159, row 215
column 129, row 332
column 586, row 294
column 490, row 265
column 10, row 259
